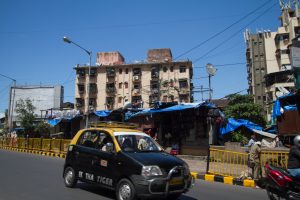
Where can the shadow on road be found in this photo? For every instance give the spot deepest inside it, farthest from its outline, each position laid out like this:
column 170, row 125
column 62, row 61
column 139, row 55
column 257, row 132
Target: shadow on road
column 96, row 190
column 109, row 194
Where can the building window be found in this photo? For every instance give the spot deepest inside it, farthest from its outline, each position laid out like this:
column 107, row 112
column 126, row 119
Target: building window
column 183, row 98
column 126, row 84
column 120, row 71
column 264, row 98
column 136, row 86
column 126, row 70
column 183, row 84
column 182, row 69
column 109, row 102
column 258, row 97
column 81, row 88
column 120, row 100
column 136, row 71
column 165, row 98
column 93, row 88
column 155, row 72
column 81, row 72
column 165, row 69
column 92, row 102
column 120, row 85
column 110, row 71
column 171, row 69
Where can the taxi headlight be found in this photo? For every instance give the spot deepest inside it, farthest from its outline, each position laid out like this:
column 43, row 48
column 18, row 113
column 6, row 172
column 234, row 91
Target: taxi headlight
column 186, row 169
column 152, row 170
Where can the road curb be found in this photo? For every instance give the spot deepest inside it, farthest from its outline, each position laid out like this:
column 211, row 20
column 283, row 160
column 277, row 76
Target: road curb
column 224, row 179
column 44, row 153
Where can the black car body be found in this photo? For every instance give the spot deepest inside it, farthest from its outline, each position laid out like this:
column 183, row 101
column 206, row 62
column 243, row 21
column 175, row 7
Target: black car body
column 142, row 170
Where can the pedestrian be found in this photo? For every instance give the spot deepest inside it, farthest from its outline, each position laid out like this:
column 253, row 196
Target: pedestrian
column 251, row 141
column 294, row 158
column 254, row 160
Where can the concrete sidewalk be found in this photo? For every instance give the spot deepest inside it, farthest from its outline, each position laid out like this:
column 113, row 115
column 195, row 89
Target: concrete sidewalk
column 198, row 165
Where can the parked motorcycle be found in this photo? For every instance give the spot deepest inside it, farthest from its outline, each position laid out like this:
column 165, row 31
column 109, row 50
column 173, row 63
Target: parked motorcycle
column 280, row 184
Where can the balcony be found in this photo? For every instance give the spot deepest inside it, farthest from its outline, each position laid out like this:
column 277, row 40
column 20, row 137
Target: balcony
column 136, row 78
column 110, row 90
column 80, row 73
column 79, row 102
column 136, row 92
column 110, row 72
column 184, row 91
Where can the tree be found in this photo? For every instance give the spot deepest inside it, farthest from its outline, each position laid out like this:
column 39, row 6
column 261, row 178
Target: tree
column 243, row 107
column 42, row 128
column 25, row 111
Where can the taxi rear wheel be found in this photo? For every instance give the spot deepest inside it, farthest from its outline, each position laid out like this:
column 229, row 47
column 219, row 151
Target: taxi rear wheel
column 125, row 190
column 69, row 177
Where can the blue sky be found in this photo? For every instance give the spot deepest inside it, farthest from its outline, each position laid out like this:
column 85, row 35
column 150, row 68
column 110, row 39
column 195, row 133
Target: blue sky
column 32, row 50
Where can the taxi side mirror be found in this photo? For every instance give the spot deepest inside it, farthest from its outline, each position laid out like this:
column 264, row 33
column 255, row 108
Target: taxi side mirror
column 109, row 147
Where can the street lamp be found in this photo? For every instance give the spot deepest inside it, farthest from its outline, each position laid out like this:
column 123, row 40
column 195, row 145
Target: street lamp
column 211, row 70
column 67, row 40
column 11, row 103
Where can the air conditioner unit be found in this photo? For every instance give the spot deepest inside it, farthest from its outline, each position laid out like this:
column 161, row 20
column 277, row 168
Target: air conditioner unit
column 136, row 78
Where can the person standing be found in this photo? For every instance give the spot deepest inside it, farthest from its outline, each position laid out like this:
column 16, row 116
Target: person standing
column 294, row 158
column 251, row 141
column 254, row 158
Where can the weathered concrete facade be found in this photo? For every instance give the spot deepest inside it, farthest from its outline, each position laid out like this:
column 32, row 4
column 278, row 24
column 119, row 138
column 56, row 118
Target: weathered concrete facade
column 113, row 83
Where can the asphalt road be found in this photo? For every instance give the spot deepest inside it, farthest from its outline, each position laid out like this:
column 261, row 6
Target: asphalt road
column 34, row 177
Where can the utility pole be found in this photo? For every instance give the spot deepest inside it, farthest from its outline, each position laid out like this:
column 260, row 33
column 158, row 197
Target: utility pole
column 11, row 102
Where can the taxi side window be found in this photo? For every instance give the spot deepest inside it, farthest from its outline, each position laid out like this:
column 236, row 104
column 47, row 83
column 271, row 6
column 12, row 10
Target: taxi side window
column 89, row 139
column 105, row 142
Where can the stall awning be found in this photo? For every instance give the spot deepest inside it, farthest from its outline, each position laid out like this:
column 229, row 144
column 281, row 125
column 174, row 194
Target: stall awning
column 102, row 113
column 178, row 107
column 233, row 124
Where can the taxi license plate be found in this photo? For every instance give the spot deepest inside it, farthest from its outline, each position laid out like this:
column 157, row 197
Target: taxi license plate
column 176, row 181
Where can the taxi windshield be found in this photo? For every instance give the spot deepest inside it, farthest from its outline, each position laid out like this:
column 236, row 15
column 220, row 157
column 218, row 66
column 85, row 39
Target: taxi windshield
column 136, row 142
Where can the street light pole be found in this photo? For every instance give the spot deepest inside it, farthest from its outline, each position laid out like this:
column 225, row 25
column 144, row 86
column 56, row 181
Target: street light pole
column 11, row 102
column 67, row 40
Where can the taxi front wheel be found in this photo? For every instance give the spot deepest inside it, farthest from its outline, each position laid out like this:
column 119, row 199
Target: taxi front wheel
column 125, row 190
column 69, row 177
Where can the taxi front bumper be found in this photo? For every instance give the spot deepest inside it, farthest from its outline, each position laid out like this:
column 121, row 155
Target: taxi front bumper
column 164, row 185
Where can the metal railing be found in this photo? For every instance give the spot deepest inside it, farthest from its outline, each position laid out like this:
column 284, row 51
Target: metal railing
column 235, row 164
column 38, row 144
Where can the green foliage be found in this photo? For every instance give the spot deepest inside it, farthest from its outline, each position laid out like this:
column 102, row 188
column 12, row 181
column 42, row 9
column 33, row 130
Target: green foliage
column 25, row 111
column 237, row 136
column 42, row 128
column 243, row 107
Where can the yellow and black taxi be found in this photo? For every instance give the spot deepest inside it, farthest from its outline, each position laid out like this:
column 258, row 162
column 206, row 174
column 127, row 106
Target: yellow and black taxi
column 119, row 157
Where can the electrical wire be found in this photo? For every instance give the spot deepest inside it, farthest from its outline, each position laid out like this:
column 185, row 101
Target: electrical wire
column 223, row 30
column 237, row 32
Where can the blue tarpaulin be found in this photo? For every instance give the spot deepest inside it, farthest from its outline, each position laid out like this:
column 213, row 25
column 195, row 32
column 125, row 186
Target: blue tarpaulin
column 178, row 107
column 54, row 122
column 102, row 113
column 233, row 124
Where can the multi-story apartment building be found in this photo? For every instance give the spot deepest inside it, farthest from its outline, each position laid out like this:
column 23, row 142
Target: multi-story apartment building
column 114, row 84
column 268, row 60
